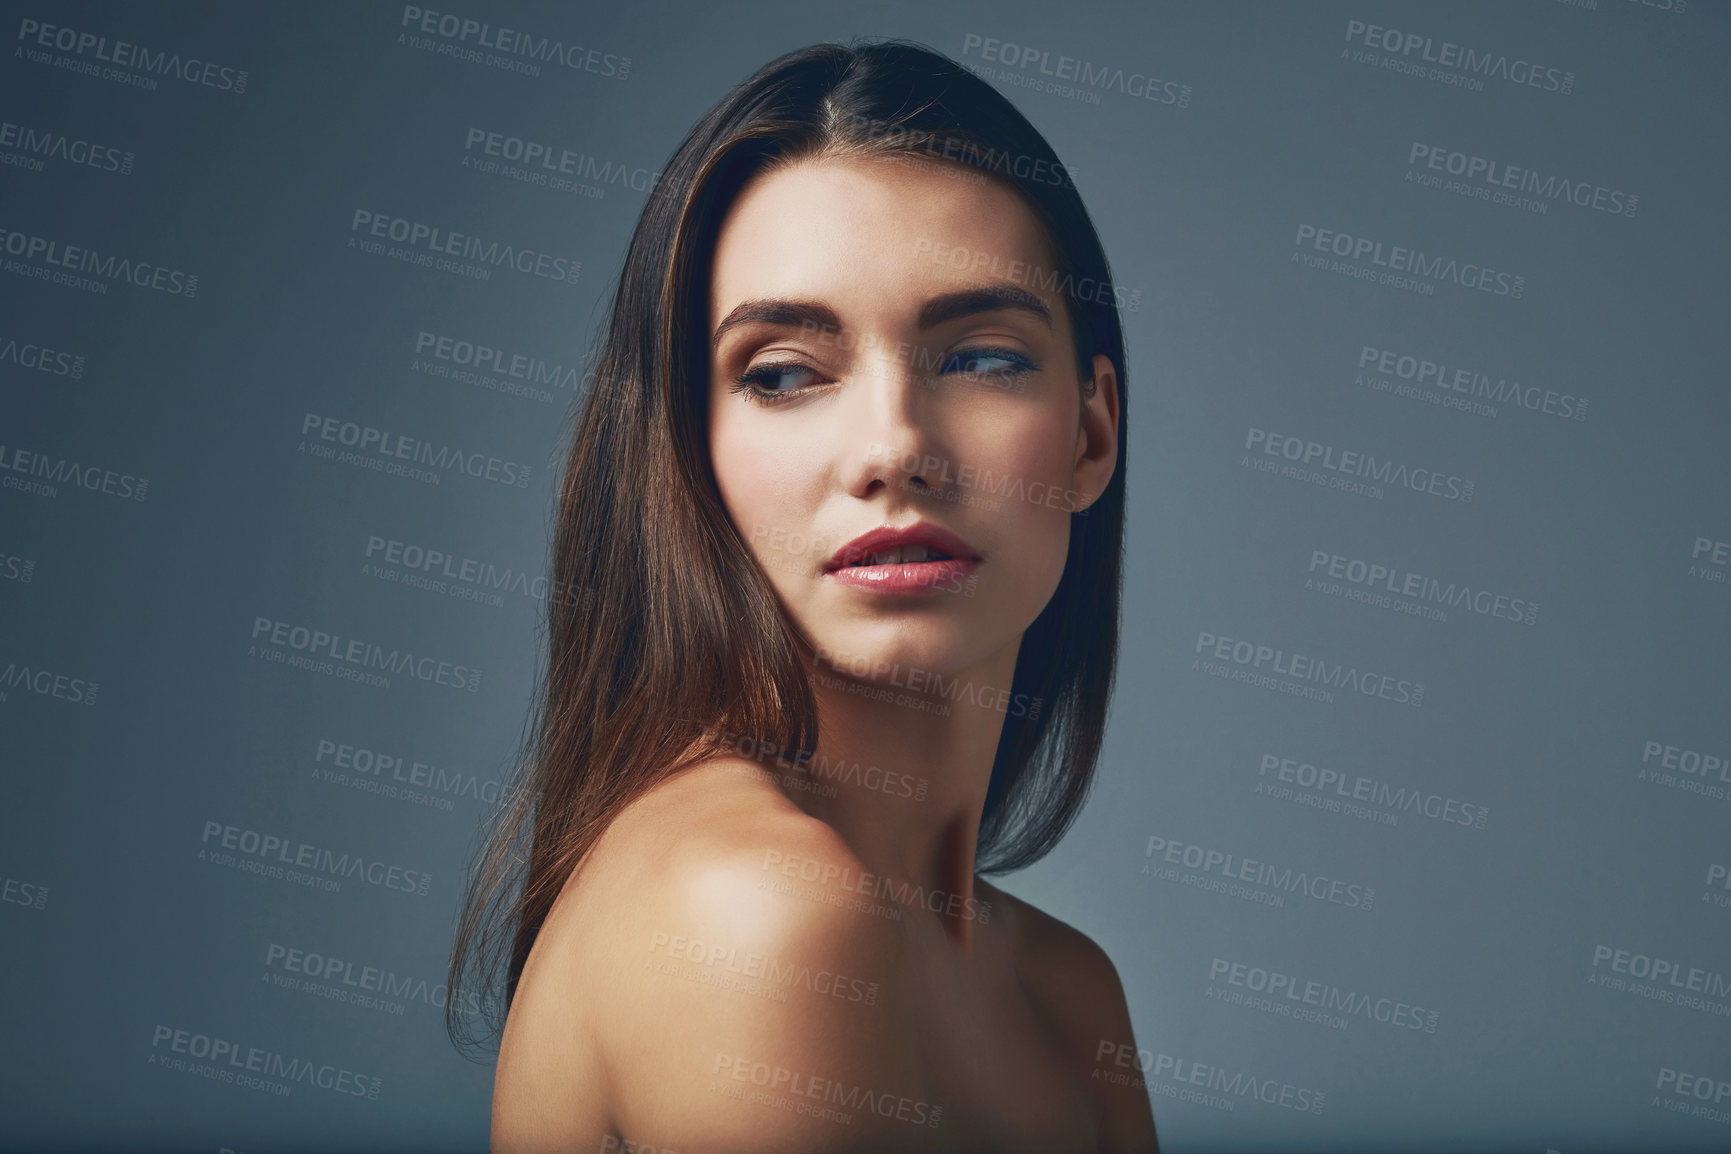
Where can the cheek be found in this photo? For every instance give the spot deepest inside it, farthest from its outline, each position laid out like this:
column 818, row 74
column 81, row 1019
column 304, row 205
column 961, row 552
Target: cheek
column 1034, row 433
column 1044, row 540
column 766, row 484
column 1032, row 452
column 1031, row 464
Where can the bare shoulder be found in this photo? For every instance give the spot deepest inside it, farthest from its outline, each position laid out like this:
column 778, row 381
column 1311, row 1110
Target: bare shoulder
column 1048, row 948
column 1078, row 990
column 690, row 991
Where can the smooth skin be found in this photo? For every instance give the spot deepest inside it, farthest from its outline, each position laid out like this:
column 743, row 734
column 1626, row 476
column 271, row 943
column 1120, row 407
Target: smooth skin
column 727, row 970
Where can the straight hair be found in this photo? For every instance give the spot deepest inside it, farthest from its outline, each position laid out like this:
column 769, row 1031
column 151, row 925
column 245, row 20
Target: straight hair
column 644, row 669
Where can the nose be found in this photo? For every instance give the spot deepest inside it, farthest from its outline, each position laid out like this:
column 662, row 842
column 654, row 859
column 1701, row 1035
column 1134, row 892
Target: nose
column 892, row 434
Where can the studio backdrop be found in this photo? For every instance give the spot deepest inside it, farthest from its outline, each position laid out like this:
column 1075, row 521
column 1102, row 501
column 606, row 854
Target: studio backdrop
column 1412, row 823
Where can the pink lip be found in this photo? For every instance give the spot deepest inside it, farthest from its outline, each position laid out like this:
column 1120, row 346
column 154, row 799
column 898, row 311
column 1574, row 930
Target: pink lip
column 907, row 578
column 889, row 537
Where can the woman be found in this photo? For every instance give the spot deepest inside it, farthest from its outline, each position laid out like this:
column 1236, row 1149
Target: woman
column 846, row 504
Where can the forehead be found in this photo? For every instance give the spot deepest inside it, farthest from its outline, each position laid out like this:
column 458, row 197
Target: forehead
column 832, row 227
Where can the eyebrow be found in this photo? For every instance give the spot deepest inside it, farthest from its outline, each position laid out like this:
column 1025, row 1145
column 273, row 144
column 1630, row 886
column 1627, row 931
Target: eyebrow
column 949, row 306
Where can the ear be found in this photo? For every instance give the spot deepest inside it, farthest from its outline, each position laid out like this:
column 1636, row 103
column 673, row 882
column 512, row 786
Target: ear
column 1097, row 436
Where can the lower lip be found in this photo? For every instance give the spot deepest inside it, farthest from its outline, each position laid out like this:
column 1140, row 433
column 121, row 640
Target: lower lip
column 912, row 577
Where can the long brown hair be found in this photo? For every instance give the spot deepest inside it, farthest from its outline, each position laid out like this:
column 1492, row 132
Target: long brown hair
column 673, row 633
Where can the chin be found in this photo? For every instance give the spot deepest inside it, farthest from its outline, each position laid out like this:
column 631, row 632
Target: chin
column 874, row 652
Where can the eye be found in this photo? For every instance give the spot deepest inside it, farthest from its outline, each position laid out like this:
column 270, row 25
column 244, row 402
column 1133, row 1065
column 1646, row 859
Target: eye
column 752, row 383
column 997, row 363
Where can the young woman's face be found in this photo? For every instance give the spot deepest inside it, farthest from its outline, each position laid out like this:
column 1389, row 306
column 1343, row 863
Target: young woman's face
column 890, row 392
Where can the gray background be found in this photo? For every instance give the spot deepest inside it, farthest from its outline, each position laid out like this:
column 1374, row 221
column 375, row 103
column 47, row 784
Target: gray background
column 114, row 927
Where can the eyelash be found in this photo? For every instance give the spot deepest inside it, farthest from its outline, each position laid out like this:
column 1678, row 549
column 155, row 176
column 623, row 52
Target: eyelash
column 746, row 384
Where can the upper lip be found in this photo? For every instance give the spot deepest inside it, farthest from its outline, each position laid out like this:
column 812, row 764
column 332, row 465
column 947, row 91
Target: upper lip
column 890, row 537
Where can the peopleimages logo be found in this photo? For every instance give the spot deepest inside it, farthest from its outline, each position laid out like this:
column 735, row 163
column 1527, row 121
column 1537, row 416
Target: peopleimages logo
column 455, row 575
column 24, row 678
column 1425, row 269
column 40, row 358
column 1665, row 973
column 78, row 266
column 1682, row 1086
column 26, row 147
column 367, row 439
column 1100, row 78
column 1489, row 179
column 381, row 771
column 1454, row 387
column 930, row 681
column 443, row 355
column 1189, row 1074
column 1336, row 790
column 812, row 1095
column 1263, row 664
column 16, row 891
column 1323, row 997
column 48, row 473
column 1087, row 290
column 265, row 853
column 1217, row 869
column 427, row 242
column 1390, row 586
column 317, row 974
column 509, row 48
column 225, row 1060
column 822, row 769
column 766, row 968
column 1674, row 7
column 544, row 163
column 1718, row 878
column 1455, row 63
column 16, row 568
column 322, row 648
column 1716, row 552
column 1349, row 469
column 94, row 49
column 1710, row 561
column 880, row 886
column 1687, row 770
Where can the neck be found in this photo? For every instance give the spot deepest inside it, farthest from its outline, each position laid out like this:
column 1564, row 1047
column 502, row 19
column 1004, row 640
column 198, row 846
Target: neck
column 901, row 771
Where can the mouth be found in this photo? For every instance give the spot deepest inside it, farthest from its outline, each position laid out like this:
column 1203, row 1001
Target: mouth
column 901, row 555
column 922, row 543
